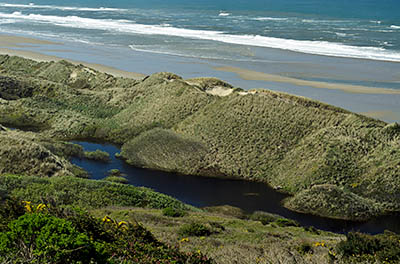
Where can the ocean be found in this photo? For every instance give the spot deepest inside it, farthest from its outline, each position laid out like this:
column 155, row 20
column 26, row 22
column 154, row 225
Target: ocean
column 228, row 30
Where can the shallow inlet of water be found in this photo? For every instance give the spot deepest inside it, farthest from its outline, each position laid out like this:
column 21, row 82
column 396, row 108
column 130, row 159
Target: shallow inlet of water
column 203, row 191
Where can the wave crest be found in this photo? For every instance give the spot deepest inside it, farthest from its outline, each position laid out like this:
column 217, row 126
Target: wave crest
column 64, row 8
column 129, row 27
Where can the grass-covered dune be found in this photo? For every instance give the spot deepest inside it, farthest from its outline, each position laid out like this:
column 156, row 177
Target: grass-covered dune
column 324, row 156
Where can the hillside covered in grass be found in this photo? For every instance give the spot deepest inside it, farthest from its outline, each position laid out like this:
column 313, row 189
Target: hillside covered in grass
column 333, row 162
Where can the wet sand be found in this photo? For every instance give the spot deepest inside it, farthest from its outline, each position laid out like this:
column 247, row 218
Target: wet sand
column 16, row 41
column 293, row 73
column 7, row 43
column 261, row 76
column 384, row 114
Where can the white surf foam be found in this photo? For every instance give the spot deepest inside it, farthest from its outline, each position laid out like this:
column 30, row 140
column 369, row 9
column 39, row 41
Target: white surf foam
column 395, row 27
column 270, row 18
column 224, row 14
column 339, row 34
column 311, row 47
column 64, row 8
column 8, row 21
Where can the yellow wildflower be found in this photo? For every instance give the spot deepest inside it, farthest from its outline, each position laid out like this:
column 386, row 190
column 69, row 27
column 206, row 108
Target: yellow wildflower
column 28, row 206
column 354, row 185
column 185, row 239
column 319, row 244
column 122, row 223
column 107, row 219
column 40, row 207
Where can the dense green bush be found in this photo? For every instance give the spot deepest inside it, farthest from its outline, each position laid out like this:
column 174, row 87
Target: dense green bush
column 52, row 234
column 97, row 155
column 115, row 172
column 362, row 247
column 10, row 209
column 42, row 238
column 116, row 179
column 286, row 222
column 173, row 212
column 194, row 229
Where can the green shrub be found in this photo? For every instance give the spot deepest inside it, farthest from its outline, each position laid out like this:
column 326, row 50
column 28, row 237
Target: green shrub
column 264, row 217
column 358, row 244
column 85, row 193
column 383, row 247
column 3, row 194
column 305, row 248
column 10, row 209
column 173, row 212
column 194, row 229
column 97, row 155
column 311, row 229
column 70, row 235
column 116, row 179
column 217, row 227
column 283, row 222
column 115, row 172
column 226, row 210
column 44, row 238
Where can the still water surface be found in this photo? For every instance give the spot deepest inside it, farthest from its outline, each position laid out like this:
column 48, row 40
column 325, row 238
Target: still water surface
column 203, row 191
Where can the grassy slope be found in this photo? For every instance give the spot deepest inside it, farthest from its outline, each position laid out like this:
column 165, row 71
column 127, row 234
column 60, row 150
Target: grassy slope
column 235, row 237
column 84, row 193
column 234, row 240
column 290, row 142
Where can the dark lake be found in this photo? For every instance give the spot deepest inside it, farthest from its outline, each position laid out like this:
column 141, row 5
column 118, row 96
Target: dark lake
column 203, row 191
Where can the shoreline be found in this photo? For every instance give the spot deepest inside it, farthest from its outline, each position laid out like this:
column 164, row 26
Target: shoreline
column 250, row 75
column 8, row 43
column 366, row 100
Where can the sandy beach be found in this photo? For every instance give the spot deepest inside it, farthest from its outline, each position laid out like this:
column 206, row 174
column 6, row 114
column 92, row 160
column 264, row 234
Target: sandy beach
column 261, row 76
column 7, row 43
column 18, row 41
column 283, row 75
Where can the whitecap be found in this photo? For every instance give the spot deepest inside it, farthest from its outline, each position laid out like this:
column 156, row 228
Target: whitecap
column 270, row 18
column 304, row 46
column 340, row 34
column 64, row 8
column 224, row 14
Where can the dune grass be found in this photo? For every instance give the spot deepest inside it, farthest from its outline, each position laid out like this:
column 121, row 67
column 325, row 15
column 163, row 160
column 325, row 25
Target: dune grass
column 167, row 123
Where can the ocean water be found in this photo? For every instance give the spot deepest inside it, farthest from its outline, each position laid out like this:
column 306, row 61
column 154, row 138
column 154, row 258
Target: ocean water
column 224, row 30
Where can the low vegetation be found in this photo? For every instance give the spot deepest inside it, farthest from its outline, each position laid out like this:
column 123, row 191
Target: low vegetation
column 97, row 155
column 49, row 234
column 367, row 249
column 163, row 122
column 85, row 193
column 228, row 239
column 173, row 212
column 332, row 162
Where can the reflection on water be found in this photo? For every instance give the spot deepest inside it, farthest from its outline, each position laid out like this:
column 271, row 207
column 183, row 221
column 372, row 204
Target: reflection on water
column 203, row 191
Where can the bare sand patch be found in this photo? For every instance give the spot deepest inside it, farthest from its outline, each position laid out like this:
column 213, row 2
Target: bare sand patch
column 220, row 91
column 261, row 76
